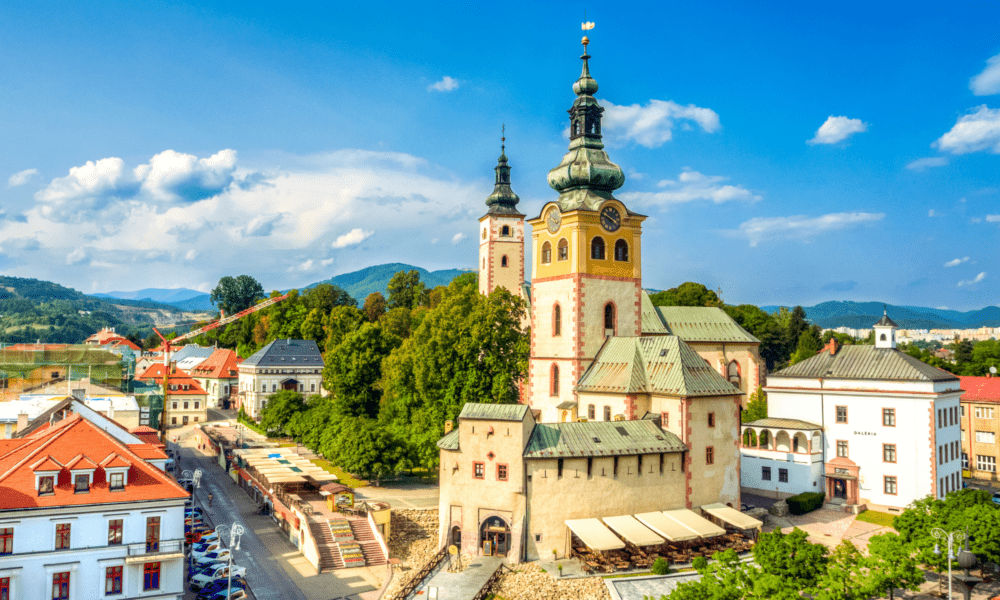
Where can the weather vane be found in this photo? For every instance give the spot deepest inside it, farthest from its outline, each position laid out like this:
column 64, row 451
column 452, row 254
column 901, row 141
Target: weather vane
column 586, row 26
column 503, row 136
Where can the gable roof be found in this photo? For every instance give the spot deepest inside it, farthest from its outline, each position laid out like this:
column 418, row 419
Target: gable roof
column 493, row 412
column 449, row 441
column 222, row 364
column 652, row 323
column 701, row 324
column 661, row 364
column 600, row 438
column 981, row 389
column 178, row 378
column 63, row 443
column 865, row 362
column 287, row 353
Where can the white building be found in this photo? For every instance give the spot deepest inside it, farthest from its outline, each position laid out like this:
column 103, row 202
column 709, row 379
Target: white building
column 85, row 513
column 863, row 424
column 295, row 365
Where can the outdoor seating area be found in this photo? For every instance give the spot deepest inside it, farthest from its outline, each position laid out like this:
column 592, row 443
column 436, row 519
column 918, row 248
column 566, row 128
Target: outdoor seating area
column 633, row 557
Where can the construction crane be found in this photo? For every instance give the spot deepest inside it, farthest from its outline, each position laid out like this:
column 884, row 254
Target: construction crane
column 168, row 343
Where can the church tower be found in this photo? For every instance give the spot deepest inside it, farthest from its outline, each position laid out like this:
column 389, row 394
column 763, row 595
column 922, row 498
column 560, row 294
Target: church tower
column 501, row 236
column 586, row 273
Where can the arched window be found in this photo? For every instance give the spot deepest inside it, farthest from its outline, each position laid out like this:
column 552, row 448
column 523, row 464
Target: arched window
column 733, row 373
column 554, row 387
column 484, row 233
column 563, row 249
column 557, row 320
column 503, row 261
column 597, row 248
column 576, row 128
column 621, row 250
column 607, row 413
column 882, row 338
column 546, row 253
column 609, row 317
column 505, row 231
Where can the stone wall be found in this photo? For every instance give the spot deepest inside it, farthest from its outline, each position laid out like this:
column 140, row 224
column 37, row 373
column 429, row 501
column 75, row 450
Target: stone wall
column 528, row 582
column 413, row 541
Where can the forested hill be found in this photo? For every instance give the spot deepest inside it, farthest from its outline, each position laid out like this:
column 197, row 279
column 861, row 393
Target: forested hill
column 32, row 310
column 376, row 279
column 862, row 315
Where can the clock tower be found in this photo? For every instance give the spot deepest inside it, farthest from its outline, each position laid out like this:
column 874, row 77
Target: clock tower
column 586, row 281
column 501, row 236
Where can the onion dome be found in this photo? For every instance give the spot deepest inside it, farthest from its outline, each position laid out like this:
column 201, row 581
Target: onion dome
column 503, row 200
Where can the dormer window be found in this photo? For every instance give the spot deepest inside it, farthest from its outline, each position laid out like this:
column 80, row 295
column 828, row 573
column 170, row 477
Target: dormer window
column 46, row 485
column 81, row 483
column 116, row 481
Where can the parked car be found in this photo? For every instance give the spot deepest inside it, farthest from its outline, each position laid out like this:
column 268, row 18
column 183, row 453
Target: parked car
column 207, row 567
column 220, row 585
column 221, row 573
column 221, row 595
column 222, row 554
column 203, row 550
column 996, row 497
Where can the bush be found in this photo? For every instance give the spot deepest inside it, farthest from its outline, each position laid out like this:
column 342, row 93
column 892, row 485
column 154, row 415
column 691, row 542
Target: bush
column 699, row 563
column 661, row 566
column 805, row 502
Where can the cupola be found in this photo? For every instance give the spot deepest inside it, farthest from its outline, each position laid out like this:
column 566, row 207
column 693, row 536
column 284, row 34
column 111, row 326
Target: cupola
column 885, row 331
column 503, row 200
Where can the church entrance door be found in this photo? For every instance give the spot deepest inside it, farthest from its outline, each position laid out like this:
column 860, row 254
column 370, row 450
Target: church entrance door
column 494, row 537
column 840, row 489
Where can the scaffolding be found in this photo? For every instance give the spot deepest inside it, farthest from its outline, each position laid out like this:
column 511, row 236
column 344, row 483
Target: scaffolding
column 32, row 368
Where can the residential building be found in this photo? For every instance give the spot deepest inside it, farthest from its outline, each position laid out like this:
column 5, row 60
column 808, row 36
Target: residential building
column 295, row 365
column 187, row 401
column 85, row 513
column 859, row 423
column 980, row 426
column 219, row 376
column 16, row 414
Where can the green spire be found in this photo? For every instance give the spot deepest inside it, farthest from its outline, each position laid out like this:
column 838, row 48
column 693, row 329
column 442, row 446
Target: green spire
column 503, row 200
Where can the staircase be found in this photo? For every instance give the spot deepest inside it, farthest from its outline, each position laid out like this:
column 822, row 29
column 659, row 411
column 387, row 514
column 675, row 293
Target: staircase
column 329, row 554
column 365, row 537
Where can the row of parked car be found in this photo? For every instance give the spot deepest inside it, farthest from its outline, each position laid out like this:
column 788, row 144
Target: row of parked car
column 210, row 566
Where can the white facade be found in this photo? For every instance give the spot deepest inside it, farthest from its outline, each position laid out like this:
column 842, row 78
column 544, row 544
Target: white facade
column 35, row 561
column 257, row 384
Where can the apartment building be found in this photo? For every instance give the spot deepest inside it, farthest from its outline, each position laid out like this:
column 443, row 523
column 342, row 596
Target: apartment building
column 980, row 425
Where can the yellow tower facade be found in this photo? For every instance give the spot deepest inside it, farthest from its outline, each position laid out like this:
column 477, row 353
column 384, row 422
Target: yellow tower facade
column 586, row 281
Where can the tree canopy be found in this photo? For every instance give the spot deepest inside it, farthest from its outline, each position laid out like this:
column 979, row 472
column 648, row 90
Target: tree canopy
column 686, row 294
column 234, row 294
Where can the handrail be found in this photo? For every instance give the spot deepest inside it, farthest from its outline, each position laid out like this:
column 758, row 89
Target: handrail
column 422, row 574
column 162, row 547
column 485, row 590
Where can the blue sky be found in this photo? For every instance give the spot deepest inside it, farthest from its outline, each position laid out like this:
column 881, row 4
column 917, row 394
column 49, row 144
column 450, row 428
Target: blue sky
column 788, row 154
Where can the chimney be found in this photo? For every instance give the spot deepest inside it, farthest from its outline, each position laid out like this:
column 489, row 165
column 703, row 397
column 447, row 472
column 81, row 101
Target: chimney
column 22, row 421
column 832, row 346
column 173, row 367
column 448, row 426
column 111, row 408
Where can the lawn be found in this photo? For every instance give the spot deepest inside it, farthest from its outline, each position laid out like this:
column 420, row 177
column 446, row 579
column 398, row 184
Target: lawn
column 877, row 518
column 342, row 476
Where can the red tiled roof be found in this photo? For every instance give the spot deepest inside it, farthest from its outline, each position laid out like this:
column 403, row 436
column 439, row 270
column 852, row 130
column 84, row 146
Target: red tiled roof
column 81, row 462
column 120, row 341
column 147, row 451
column 46, row 464
column 114, row 460
column 147, row 434
column 142, row 429
column 62, row 442
column 35, row 347
column 102, row 336
column 980, row 389
column 178, row 378
column 221, row 364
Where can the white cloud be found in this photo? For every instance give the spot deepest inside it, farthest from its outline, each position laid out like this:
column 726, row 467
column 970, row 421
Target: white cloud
column 975, row 279
column 956, row 262
column 352, row 238
column 690, row 186
column 972, row 133
column 77, row 256
column 801, row 227
column 652, row 125
column 993, row 218
column 458, row 237
column 447, row 84
column 21, row 177
column 191, row 254
column 932, row 213
column 922, row 164
column 262, row 225
column 987, row 83
column 837, row 129
column 107, row 186
column 942, row 308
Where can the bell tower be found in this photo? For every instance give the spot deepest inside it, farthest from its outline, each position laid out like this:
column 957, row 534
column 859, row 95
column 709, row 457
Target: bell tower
column 501, row 235
column 586, row 271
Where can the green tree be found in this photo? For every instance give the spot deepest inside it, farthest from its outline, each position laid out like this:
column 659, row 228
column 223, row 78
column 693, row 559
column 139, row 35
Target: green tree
column 791, row 557
column 397, row 322
column 764, row 327
column 406, row 290
column 809, row 344
column 846, row 576
column 234, row 294
column 280, row 409
column 970, row 508
column 892, row 564
column 363, row 447
column 374, row 306
column 756, row 406
column 307, row 426
column 686, row 294
column 341, row 321
column 325, row 296
column 354, row 368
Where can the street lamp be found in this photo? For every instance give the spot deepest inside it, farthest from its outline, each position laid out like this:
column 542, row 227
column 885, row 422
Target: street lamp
column 954, row 536
column 235, row 533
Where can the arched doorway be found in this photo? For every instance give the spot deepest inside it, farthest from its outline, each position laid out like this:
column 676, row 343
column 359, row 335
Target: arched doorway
column 456, row 537
column 494, row 537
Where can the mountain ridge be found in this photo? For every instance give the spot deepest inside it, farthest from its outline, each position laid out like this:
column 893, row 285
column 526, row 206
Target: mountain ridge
column 862, row 315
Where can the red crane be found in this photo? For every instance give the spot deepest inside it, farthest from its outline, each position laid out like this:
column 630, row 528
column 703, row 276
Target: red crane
column 167, row 343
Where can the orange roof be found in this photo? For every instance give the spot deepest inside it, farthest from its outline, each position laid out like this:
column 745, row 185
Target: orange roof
column 46, row 464
column 178, row 380
column 142, row 429
column 120, row 341
column 36, row 347
column 102, row 336
column 62, row 443
column 147, row 451
column 220, row 365
column 81, row 462
column 980, row 389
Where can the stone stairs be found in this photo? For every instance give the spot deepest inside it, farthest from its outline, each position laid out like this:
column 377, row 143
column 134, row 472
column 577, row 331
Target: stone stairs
column 365, row 537
column 329, row 553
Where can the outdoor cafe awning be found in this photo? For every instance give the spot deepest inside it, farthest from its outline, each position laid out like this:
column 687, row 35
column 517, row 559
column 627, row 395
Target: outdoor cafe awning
column 633, row 531
column 667, row 527
column 696, row 523
column 732, row 516
column 595, row 535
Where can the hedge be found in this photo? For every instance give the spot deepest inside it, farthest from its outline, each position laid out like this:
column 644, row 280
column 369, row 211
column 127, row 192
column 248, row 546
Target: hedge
column 805, row 502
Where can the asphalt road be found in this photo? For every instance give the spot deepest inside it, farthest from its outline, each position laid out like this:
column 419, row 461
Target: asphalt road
column 267, row 579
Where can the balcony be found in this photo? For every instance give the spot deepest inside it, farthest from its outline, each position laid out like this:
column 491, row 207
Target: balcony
column 162, row 550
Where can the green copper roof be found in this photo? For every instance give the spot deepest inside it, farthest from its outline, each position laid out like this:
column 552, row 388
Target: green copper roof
column 600, row 438
column 661, row 364
column 493, row 412
column 449, row 441
column 503, row 200
column 864, row 362
column 783, row 424
column 651, row 322
column 702, row 324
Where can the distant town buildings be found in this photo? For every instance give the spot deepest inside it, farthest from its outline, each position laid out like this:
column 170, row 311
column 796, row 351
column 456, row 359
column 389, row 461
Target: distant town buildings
column 186, row 402
column 219, row 376
column 980, row 426
column 295, row 365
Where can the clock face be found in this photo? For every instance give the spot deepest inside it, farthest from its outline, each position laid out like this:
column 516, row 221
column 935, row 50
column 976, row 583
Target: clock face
column 610, row 219
column 554, row 220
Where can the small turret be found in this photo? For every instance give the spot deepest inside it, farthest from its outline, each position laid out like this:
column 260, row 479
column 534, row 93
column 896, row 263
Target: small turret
column 885, row 331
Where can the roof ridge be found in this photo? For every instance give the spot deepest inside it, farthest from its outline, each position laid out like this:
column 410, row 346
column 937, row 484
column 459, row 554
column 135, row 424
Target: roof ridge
column 54, row 434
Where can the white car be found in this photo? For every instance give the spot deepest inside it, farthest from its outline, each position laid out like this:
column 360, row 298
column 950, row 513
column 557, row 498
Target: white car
column 213, row 556
column 199, row 552
column 200, row 581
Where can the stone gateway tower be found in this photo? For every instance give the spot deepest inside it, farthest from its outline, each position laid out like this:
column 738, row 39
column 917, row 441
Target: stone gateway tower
column 586, row 276
column 501, row 236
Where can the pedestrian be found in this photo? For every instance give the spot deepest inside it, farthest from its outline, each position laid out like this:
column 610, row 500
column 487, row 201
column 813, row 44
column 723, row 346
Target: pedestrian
column 210, row 499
